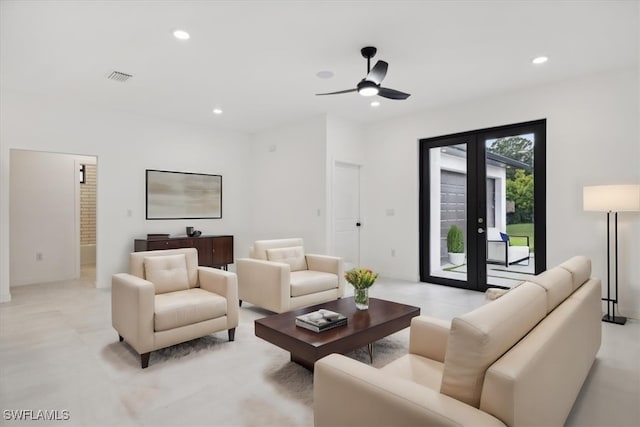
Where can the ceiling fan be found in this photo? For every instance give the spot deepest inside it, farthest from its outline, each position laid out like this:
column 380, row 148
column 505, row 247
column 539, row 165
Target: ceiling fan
column 370, row 85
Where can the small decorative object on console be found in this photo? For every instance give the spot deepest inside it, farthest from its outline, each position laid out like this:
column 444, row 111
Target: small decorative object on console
column 321, row 320
column 361, row 279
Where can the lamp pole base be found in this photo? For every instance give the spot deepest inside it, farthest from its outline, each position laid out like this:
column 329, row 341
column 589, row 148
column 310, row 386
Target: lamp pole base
column 618, row 320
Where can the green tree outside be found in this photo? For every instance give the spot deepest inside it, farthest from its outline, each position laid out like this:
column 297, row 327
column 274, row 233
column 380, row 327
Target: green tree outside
column 520, row 190
column 519, row 181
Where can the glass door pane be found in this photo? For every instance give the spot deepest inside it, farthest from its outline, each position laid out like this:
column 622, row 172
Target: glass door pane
column 510, row 209
column 448, row 212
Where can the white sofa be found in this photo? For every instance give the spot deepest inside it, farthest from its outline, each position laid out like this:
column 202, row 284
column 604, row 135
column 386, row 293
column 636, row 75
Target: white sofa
column 279, row 276
column 166, row 299
column 519, row 360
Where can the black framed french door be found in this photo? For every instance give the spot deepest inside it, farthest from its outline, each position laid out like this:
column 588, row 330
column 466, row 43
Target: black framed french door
column 482, row 206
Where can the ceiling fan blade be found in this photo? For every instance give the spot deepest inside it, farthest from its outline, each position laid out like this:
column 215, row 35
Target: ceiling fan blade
column 392, row 93
column 337, row 93
column 378, row 72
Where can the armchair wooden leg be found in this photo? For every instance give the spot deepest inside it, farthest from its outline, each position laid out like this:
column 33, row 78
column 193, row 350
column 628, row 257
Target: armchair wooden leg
column 120, row 338
column 240, row 303
column 144, row 359
column 232, row 334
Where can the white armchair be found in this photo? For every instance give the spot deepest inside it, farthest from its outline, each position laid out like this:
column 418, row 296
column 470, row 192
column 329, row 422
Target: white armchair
column 279, row 276
column 167, row 299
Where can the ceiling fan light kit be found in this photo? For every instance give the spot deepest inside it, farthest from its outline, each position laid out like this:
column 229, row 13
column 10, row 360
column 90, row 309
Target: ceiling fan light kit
column 367, row 88
column 370, row 85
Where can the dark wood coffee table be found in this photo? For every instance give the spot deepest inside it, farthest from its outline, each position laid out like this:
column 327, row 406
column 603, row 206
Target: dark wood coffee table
column 364, row 327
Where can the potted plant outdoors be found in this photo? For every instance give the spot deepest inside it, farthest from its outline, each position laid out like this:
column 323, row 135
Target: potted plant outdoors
column 455, row 245
column 361, row 279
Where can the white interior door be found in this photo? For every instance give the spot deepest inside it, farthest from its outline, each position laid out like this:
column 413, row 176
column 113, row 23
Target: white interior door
column 346, row 213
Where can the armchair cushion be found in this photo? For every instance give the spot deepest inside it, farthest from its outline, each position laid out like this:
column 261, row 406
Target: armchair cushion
column 175, row 309
column 307, row 282
column 259, row 248
column 294, row 256
column 167, row 273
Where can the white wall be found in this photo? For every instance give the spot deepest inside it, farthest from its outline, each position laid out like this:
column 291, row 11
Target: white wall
column 125, row 146
column 592, row 138
column 287, row 176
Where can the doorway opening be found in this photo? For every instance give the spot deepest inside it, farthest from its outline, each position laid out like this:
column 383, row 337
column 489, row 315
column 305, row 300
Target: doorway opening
column 87, row 170
column 52, row 218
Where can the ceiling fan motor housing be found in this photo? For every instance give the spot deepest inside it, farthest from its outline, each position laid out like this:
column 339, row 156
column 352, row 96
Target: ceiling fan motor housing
column 368, row 52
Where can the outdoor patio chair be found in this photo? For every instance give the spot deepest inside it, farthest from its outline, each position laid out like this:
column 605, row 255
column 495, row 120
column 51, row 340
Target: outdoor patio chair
column 500, row 250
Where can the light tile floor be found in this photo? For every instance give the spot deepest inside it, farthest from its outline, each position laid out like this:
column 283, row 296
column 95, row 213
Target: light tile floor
column 58, row 351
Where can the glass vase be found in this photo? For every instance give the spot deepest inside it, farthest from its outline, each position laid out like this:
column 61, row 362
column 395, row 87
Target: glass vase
column 362, row 298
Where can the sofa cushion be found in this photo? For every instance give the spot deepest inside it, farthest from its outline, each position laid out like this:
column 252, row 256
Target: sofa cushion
column 168, row 273
column 305, row 282
column 417, row 369
column 580, row 269
column 294, row 256
column 479, row 338
column 557, row 283
column 175, row 309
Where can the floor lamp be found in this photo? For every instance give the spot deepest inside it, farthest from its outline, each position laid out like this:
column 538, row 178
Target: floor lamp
column 612, row 199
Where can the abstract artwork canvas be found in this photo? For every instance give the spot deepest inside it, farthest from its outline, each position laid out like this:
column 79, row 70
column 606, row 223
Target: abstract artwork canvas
column 183, row 195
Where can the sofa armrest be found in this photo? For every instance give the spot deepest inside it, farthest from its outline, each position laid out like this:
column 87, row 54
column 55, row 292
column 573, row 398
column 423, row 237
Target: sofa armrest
column 428, row 337
column 264, row 283
column 132, row 308
column 224, row 283
column 349, row 393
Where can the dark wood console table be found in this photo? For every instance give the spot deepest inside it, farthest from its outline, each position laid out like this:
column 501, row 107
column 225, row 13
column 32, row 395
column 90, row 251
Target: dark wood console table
column 213, row 251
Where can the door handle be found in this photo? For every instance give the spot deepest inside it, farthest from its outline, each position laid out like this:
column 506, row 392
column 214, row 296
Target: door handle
column 480, row 230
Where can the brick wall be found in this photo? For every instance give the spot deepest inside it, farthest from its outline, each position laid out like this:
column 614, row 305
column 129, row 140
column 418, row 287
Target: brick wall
column 88, row 207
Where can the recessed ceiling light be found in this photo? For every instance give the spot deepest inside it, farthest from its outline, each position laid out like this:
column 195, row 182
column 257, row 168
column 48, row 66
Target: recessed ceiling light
column 375, row 103
column 217, row 111
column 181, row 35
column 324, row 74
column 539, row 60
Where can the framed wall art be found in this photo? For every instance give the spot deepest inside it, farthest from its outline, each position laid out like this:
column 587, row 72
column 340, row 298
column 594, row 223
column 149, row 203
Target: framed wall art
column 183, row 195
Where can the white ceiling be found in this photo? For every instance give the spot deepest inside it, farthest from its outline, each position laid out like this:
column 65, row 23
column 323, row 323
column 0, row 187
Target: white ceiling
column 257, row 60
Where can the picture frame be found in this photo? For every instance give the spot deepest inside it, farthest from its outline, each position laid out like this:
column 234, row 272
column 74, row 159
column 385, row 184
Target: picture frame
column 182, row 195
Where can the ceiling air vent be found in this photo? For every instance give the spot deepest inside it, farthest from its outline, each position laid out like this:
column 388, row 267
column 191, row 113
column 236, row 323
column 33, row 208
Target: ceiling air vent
column 119, row 76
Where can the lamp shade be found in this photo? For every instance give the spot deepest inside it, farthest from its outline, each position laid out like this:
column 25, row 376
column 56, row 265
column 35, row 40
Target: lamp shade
column 614, row 198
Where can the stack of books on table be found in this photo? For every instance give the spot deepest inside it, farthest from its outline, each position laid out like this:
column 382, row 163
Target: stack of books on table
column 321, row 320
